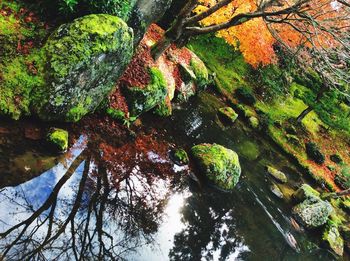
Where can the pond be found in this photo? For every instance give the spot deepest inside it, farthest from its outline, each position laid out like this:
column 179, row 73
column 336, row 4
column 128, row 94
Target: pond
column 123, row 198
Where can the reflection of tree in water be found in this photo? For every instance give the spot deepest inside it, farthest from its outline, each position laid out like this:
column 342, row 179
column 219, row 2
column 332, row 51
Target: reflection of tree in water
column 109, row 201
column 210, row 230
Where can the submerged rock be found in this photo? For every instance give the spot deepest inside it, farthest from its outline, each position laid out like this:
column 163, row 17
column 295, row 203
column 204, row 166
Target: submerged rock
column 84, row 60
column 305, row 192
column 312, row 212
column 219, row 164
column 58, row 139
column 333, row 240
column 228, row 114
column 276, row 190
column 278, row 175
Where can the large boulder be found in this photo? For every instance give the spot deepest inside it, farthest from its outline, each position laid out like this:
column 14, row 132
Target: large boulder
column 144, row 13
column 313, row 212
column 219, row 164
column 84, row 60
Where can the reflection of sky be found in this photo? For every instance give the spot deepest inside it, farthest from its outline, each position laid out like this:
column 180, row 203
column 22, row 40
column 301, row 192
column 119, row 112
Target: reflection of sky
column 18, row 203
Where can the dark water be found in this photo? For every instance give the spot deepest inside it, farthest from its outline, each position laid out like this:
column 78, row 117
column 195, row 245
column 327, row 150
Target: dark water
column 127, row 200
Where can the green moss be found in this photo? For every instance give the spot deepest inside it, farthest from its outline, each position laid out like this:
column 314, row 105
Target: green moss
column 116, row 114
column 78, row 42
column 58, row 138
column 221, row 165
column 276, row 174
column 221, row 58
column 164, row 109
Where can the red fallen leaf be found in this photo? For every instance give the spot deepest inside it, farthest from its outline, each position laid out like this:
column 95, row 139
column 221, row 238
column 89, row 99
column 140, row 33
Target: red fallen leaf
column 31, row 68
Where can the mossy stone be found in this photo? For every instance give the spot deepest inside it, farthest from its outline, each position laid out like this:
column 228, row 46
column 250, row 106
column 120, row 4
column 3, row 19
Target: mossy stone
column 276, row 174
column 228, row 114
column 84, row 60
column 141, row 100
column 305, row 192
column 58, row 139
column 254, row 122
column 276, row 190
column 219, row 164
column 180, row 157
column 200, row 71
column 313, row 212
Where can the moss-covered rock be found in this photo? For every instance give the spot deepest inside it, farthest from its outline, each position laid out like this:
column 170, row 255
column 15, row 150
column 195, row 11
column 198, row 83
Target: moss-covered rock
column 228, row 114
column 314, row 153
column 276, row 174
column 84, row 60
column 332, row 238
column 58, row 139
column 219, row 164
column 144, row 99
column 305, row 192
column 276, row 190
column 312, row 212
column 180, row 157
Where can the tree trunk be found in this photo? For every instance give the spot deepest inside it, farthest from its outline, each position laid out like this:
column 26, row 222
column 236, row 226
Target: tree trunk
column 304, row 113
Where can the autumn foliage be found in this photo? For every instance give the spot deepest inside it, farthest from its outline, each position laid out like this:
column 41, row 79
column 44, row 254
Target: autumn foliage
column 315, row 24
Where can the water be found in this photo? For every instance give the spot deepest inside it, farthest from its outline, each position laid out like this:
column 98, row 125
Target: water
column 126, row 199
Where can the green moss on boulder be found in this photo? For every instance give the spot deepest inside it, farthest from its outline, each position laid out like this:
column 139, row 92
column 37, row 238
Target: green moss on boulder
column 219, row 164
column 84, row 60
column 58, row 139
column 228, row 114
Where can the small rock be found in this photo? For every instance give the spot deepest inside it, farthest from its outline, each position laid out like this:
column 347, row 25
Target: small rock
column 58, row 139
column 333, row 240
column 180, row 157
column 278, row 175
column 305, row 192
column 219, row 164
column 312, row 212
column 228, row 114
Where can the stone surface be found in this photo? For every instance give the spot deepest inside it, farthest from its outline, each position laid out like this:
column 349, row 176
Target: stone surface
column 219, row 164
column 180, row 157
column 84, row 60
